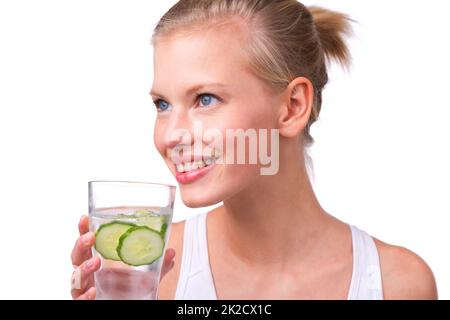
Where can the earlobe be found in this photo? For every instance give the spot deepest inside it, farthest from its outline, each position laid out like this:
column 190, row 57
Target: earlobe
column 297, row 107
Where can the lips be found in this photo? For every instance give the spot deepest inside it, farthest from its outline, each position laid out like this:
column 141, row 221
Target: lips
column 193, row 175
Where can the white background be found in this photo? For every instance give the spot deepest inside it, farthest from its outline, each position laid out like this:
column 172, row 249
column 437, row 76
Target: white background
column 74, row 107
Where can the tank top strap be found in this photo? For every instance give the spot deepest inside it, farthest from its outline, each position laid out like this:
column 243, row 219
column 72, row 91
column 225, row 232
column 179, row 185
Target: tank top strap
column 366, row 283
column 195, row 279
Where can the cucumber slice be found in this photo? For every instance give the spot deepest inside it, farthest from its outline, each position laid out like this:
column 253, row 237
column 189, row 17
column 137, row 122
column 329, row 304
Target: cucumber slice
column 140, row 245
column 107, row 238
column 153, row 222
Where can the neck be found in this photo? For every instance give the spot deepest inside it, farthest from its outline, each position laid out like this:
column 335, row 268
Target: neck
column 276, row 219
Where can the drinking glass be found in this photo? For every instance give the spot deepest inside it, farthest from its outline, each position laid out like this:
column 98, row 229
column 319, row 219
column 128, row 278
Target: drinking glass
column 131, row 221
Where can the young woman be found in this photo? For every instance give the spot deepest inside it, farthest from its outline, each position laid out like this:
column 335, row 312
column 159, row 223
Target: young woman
column 256, row 64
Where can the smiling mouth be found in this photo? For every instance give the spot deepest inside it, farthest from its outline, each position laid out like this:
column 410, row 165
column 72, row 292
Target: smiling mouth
column 194, row 165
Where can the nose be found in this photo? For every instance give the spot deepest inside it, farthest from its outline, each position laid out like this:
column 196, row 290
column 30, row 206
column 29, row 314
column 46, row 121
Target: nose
column 178, row 129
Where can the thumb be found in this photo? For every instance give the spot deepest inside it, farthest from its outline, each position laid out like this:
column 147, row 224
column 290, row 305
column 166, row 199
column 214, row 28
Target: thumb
column 169, row 262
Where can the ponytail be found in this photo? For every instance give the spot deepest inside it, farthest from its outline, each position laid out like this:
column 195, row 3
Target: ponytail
column 332, row 27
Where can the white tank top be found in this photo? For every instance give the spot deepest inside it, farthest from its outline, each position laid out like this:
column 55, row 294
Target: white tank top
column 196, row 281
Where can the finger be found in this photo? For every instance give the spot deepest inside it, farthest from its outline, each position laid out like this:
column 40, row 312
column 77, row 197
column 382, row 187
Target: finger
column 84, row 274
column 83, row 225
column 168, row 262
column 169, row 255
column 82, row 249
column 88, row 295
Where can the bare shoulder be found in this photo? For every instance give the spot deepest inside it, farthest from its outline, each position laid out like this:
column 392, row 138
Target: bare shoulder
column 169, row 283
column 405, row 275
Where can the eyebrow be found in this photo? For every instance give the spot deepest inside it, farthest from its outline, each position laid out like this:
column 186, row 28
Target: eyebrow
column 193, row 89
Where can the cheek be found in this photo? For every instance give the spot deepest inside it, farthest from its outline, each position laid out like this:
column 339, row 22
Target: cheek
column 158, row 138
column 255, row 115
column 235, row 173
column 248, row 118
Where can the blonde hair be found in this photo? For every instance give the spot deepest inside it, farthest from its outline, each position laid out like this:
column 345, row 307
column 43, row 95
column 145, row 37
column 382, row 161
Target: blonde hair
column 286, row 39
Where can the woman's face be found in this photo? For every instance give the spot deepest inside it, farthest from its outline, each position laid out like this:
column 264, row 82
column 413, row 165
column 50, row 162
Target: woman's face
column 201, row 80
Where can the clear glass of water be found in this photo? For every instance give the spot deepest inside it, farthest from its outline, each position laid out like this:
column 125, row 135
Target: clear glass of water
column 131, row 221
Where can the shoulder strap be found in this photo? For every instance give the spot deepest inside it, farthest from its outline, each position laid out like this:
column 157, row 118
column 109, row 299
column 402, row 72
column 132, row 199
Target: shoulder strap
column 366, row 281
column 195, row 270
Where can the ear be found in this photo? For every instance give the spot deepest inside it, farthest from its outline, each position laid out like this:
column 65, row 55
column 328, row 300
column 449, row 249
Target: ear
column 296, row 108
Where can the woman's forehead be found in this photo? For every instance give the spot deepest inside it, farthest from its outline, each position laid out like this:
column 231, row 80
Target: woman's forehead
column 220, row 58
column 201, row 47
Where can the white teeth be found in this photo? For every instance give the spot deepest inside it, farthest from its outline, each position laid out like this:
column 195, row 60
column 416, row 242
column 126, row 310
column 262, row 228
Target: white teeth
column 194, row 165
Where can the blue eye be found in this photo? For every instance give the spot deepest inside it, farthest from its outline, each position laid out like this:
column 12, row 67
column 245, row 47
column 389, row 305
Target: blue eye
column 161, row 105
column 206, row 99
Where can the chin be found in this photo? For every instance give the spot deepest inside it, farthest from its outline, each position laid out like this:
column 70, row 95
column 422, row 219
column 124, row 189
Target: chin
column 199, row 199
column 212, row 190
